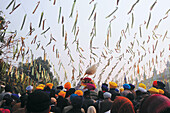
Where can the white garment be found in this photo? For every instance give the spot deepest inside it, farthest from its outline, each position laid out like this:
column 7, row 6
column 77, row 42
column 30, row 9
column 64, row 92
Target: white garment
column 107, row 111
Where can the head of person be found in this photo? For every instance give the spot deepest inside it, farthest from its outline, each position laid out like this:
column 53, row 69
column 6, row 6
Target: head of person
column 91, row 109
column 153, row 90
column 107, row 95
column 53, row 101
column 104, row 87
column 155, row 103
column 130, row 96
column 8, row 88
column 67, row 85
column 62, row 94
column 60, row 88
column 121, row 90
column 29, row 89
column 126, row 86
column 112, row 85
column 79, row 92
column 38, row 102
column 122, row 105
column 71, row 91
column 87, row 94
column 158, row 84
column 132, row 87
column 72, row 96
column 77, row 102
column 142, row 85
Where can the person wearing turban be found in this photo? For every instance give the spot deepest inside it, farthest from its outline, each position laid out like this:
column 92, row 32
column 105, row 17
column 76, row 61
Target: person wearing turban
column 155, row 103
column 50, row 85
column 61, row 100
column 104, row 87
column 161, row 91
column 105, row 105
column 121, row 90
column 67, row 85
column 79, row 92
column 126, row 91
column 113, row 86
column 153, row 90
column 122, row 105
column 39, row 88
column 161, row 85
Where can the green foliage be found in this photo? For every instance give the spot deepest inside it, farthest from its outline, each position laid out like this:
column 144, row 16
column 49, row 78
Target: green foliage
column 3, row 69
column 28, row 68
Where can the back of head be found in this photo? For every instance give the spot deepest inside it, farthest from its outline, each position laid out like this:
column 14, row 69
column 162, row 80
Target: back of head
column 79, row 92
column 8, row 88
column 91, row 109
column 126, row 86
column 38, row 101
column 87, row 93
column 155, row 103
column 77, row 102
column 104, row 87
column 112, row 85
column 122, row 105
column 67, row 85
column 132, row 86
column 107, row 95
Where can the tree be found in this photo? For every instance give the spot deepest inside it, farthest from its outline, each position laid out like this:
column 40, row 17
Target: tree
column 38, row 66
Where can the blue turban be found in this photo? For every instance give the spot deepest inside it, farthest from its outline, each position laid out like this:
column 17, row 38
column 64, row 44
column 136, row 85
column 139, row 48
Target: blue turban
column 72, row 96
column 117, row 90
column 104, row 87
column 126, row 86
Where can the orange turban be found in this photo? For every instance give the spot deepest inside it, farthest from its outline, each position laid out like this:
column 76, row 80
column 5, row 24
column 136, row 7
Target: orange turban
column 50, row 85
column 62, row 93
column 121, row 90
column 41, row 85
column 67, row 85
column 39, row 88
column 79, row 92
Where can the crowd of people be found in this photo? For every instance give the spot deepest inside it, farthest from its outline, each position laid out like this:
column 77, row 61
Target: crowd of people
column 87, row 98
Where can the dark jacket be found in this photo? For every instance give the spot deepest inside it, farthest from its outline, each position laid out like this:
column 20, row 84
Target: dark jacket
column 62, row 102
column 86, row 103
column 105, row 105
column 114, row 93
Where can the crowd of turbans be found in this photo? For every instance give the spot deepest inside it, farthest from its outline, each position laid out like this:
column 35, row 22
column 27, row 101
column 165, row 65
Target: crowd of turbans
column 86, row 98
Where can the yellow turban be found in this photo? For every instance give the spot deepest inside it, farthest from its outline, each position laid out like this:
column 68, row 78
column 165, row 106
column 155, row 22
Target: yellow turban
column 50, row 85
column 142, row 85
column 39, row 88
column 79, row 92
column 161, row 91
column 153, row 90
column 62, row 93
column 41, row 85
column 67, row 85
column 112, row 85
column 121, row 90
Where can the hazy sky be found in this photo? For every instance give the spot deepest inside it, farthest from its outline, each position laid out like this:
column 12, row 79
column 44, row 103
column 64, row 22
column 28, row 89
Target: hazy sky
column 141, row 12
